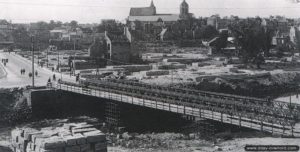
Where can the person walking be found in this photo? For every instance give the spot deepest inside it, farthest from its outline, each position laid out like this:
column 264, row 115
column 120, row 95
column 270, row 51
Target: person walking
column 54, row 77
column 36, row 73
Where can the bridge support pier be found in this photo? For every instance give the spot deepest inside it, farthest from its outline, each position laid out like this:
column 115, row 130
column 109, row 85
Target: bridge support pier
column 221, row 117
column 240, row 122
column 112, row 113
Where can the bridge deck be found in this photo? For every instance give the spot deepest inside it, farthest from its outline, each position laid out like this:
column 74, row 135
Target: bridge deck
column 260, row 114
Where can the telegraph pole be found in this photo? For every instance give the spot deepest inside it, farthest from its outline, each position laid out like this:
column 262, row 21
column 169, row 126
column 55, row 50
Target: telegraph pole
column 32, row 49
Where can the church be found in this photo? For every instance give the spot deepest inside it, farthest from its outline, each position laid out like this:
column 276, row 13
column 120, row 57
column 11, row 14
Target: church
column 148, row 17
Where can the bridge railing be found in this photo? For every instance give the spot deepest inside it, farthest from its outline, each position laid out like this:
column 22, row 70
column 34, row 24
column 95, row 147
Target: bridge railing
column 261, row 113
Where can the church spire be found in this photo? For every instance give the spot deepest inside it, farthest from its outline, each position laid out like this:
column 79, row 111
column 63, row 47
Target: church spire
column 152, row 4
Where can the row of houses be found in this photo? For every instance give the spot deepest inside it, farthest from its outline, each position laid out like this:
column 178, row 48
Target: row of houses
column 69, row 34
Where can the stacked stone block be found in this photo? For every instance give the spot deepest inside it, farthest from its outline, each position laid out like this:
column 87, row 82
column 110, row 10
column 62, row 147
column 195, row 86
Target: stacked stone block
column 80, row 137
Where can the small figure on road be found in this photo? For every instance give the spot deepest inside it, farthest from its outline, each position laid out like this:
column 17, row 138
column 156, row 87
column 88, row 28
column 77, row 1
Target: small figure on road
column 52, row 69
column 22, row 71
column 36, row 73
column 49, row 80
column 30, row 74
column 77, row 77
column 54, row 77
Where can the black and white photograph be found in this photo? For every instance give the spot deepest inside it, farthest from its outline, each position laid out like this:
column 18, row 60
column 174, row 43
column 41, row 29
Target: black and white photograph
column 149, row 75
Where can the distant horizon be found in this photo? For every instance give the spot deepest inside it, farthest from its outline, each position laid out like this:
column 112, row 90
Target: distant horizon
column 93, row 11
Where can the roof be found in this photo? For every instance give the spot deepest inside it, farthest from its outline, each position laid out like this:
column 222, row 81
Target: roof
column 154, row 18
column 142, row 11
column 184, row 4
column 117, row 37
column 58, row 31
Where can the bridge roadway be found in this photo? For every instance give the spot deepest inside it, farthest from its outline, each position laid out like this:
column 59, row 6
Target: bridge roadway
column 260, row 114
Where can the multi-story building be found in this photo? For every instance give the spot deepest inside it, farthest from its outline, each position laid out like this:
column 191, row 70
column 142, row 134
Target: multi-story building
column 118, row 48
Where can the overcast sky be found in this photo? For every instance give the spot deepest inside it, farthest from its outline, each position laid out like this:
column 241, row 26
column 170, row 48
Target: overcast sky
column 92, row 11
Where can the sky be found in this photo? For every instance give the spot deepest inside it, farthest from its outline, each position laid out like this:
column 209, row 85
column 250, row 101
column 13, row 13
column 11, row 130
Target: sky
column 92, row 11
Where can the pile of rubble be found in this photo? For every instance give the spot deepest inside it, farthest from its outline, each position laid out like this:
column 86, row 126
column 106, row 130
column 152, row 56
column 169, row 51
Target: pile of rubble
column 72, row 137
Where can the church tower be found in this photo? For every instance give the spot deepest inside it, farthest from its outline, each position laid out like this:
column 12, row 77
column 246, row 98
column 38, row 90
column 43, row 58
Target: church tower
column 184, row 10
column 153, row 6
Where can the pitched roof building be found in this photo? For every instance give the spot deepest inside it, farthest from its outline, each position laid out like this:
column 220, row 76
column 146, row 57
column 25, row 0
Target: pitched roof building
column 143, row 11
column 149, row 14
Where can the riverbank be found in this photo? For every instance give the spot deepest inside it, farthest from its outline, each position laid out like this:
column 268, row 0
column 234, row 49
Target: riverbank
column 165, row 142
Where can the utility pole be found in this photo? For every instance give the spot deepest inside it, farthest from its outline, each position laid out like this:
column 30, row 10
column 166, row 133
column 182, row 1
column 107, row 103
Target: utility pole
column 74, row 45
column 47, row 58
column 39, row 51
column 32, row 49
column 172, row 76
column 48, row 53
column 58, row 65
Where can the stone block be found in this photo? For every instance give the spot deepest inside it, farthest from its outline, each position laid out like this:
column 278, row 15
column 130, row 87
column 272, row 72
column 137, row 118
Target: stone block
column 100, row 146
column 85, row 148
column 101, row 150
column 83, row 126
column 83, row 130
column 70, row 140
column 64, row 133
column 73, row 149
column 39, row 137
column 53, row 143
column 51, row 150
column 28, row 135
column 80, row 139
column 95, row 136
column 15, row 134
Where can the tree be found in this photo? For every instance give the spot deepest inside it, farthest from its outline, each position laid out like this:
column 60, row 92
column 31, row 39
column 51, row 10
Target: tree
column 222, row 41
column 298, row 39
column 208, row 32
column 53, row 24
column 252, row 38
column 21, row 38
column 41, row 30
column 73, row 24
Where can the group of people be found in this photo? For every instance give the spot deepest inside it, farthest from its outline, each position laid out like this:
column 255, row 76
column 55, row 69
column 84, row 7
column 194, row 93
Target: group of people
column 4, row 61
column 23, row 71
column 53, row 78
column 29, row 74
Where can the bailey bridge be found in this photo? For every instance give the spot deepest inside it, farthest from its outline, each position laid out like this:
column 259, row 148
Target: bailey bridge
column 260, row 114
